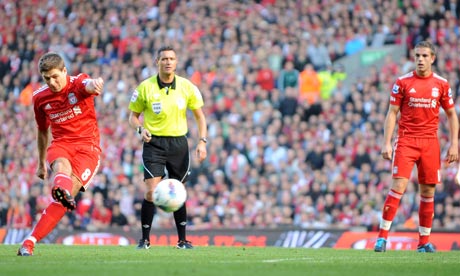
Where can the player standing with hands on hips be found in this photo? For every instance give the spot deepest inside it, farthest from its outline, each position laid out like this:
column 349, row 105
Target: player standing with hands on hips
column 66, row 105
column 417, row 96
column 164, row 99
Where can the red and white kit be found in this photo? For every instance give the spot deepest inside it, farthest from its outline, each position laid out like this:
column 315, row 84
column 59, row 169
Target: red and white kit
column 71, row 115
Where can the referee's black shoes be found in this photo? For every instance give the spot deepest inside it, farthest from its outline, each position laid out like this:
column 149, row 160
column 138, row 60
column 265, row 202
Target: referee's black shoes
column 184, row 245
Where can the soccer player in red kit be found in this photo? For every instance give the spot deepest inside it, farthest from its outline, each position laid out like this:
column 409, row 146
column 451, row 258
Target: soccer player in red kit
column 66, row 105
column 417, row 96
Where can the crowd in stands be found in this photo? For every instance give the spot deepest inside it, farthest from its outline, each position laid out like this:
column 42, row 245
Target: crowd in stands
column 289, row 145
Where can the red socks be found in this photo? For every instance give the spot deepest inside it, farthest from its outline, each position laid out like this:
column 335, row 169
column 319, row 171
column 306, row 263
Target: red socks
column 49, row 219
column 389, row 212
column 63, row 181
column 425, row 214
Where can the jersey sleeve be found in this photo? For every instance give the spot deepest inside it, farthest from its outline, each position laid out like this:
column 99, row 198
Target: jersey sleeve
column 196, row 99
column 40, row 117
column 397, row 93
column 446, row 97
column 136, row 104
column 80, row 85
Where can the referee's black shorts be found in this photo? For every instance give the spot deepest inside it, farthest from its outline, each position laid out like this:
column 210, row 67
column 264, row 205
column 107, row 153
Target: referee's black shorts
column 166, row 154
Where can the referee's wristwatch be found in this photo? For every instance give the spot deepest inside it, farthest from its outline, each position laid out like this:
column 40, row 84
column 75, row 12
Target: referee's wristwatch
column 139, row 130
column 203, row 139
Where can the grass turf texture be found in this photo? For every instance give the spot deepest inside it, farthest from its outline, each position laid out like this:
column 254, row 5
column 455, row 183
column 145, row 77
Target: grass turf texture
column 126, row 260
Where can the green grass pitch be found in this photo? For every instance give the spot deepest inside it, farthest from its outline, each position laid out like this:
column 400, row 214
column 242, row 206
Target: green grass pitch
column 126, row 260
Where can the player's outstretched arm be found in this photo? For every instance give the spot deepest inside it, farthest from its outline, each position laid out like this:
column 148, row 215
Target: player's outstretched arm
column 95, row 86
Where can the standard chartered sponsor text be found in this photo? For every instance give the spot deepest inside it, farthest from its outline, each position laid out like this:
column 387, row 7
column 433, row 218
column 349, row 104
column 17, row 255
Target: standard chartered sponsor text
column 420, row 102
column 62, row 116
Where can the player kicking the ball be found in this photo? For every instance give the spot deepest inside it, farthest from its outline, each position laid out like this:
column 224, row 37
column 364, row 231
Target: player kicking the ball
column 66, row 105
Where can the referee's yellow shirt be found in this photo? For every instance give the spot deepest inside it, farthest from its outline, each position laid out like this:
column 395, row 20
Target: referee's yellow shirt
column 165, row 107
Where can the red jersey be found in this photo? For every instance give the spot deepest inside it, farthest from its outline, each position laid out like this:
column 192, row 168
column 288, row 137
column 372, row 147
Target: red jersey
column 419, row 99
column 70, row 113
column 102, row 214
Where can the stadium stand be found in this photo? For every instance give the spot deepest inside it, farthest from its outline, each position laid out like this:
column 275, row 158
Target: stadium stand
column 275, row 159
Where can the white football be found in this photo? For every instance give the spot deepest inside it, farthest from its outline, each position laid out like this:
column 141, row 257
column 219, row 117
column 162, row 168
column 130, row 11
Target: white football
column 169, row 195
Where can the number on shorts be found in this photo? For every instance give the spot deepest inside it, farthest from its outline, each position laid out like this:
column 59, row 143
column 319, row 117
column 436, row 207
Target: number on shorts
column 86, row 174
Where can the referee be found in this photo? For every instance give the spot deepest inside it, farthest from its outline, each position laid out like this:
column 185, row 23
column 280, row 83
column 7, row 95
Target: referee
column 164, row 99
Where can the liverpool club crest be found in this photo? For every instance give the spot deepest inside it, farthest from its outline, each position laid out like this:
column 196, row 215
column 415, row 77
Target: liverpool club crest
column 72, row 99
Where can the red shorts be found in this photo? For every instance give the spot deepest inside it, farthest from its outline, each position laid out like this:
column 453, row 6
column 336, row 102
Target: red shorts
column 85, row 160
column 423, row 152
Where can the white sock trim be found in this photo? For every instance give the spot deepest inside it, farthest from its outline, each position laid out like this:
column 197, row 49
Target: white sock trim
column 424, row 231
column 32, row 239
column 385, row 224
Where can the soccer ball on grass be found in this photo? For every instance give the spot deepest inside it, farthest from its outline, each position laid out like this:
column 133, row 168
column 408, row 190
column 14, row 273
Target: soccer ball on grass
column 169, row 195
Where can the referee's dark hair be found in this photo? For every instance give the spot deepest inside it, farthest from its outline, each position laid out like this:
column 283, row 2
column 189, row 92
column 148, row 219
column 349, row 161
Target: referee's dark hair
column 165, row 48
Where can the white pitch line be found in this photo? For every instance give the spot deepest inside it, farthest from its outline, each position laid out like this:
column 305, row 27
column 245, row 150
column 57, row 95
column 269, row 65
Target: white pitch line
column 285, row 260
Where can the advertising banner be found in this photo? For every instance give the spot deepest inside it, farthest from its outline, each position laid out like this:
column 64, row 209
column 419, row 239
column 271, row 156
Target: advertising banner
column 292, row 238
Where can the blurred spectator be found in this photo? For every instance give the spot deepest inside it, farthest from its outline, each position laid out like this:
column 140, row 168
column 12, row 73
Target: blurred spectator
column 309, row 85
column 329, row 78
column 235, row 164
column 85, row 204
column 4, row 206
column 275, row 154
column 101, row 216
column 118, row 219
column 265, row 77
column 318, row 54
column 25, row 98
column 18, row 216
column 289, row 103
column 288, row 77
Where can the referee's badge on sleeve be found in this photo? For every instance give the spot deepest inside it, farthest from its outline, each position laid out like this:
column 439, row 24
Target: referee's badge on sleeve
column 134, row 96
column 156, row 107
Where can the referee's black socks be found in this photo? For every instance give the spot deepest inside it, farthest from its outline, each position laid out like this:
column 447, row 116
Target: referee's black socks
column 180, row 217
column 148, row 210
